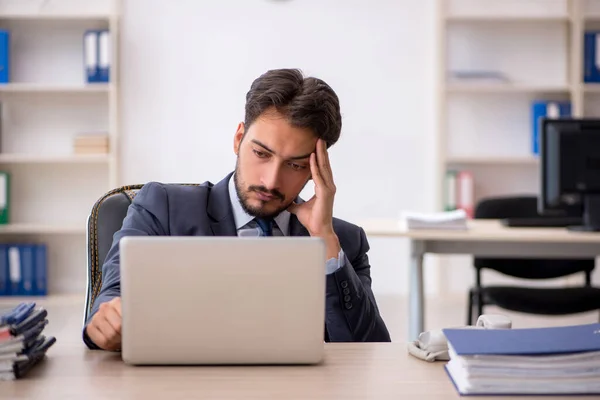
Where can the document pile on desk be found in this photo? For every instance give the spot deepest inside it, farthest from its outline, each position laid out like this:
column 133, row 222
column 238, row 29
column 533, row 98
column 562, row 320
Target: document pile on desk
column 452, row 220
column 561, row 360
column 22, row 344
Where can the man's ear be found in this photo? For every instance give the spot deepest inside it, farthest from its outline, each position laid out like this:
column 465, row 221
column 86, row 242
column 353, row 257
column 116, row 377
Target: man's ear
column 237, row 139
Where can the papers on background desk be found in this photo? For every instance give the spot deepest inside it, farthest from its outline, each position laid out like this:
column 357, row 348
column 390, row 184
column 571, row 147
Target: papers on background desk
column 451, row 220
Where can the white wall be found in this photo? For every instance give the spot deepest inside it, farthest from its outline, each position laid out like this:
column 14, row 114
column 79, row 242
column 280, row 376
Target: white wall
column 186, row 66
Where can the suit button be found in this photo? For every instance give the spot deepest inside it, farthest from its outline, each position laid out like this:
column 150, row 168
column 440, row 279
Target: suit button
column 348, row 306
column 347, row 298
column 346, row 291
column 344, row 284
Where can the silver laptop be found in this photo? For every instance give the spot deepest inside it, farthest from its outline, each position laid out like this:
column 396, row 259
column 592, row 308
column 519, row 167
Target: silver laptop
column 222, row 300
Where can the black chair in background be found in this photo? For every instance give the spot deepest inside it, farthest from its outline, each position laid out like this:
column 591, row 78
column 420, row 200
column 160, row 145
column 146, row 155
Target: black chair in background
column 531, row 300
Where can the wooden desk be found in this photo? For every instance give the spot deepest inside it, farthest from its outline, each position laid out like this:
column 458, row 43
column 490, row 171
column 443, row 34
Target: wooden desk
column 483, row 238
column 350, row 371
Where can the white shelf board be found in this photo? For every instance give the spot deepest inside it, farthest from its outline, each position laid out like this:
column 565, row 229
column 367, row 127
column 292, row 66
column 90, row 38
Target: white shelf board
column 54, row 88
column 54, row 17
column 34, row 229
column 53, row 159
column 507, row 18
column 503, row 88
column 493, row 160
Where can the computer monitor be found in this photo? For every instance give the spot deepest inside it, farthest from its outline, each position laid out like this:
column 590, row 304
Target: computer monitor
column 570, row 170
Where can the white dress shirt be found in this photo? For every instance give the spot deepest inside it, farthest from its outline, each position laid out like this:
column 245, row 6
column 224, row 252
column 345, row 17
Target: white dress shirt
column 246, row 226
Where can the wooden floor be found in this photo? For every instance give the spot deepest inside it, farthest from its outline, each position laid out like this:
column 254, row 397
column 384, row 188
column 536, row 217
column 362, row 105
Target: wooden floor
column 440, row 313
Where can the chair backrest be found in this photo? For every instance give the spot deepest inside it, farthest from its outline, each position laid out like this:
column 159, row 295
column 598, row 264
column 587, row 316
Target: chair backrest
column 105, row 219
column 507, row 207
column 523, row 207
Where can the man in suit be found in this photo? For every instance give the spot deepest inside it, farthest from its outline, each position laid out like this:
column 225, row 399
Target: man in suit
column 290, row 123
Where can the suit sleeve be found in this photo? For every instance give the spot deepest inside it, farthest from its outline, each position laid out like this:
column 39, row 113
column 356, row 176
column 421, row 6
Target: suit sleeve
column 351, row 313
column 146, row 216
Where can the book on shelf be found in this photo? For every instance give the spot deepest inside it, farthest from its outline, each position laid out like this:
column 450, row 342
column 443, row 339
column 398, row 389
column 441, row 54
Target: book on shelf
column 91, row 143
column 4, row 56
column 23, row 269
column 554, row 360
column 549, row 109
column 591, row 57
column 4, row 198
column 477, row 76
column 96, row 48
column 459, row 191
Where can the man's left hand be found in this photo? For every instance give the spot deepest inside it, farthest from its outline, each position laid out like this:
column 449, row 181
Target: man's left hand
column 317, row 213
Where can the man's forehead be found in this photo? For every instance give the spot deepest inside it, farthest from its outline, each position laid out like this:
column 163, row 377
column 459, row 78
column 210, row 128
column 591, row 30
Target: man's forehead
column 282, row 146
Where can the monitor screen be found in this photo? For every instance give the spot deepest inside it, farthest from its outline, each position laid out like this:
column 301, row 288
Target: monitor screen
column 569, row 164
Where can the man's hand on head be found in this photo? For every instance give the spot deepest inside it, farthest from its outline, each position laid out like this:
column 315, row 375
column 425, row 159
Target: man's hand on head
column 105, row 327
column 317, row 213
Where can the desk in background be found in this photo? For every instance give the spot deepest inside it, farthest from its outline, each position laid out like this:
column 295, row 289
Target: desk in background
column 486, row 238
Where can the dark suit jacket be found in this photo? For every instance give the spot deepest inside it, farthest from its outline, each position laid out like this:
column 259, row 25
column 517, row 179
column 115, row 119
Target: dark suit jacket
column 163, row 209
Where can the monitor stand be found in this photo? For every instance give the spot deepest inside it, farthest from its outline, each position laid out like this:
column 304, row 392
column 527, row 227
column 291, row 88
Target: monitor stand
column 591, row 214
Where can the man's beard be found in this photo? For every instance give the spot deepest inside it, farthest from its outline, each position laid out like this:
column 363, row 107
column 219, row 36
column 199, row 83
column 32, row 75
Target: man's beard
column 244, row 197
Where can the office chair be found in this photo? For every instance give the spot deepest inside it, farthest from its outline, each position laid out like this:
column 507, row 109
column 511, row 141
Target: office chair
column 105, row 219
column 544, row 301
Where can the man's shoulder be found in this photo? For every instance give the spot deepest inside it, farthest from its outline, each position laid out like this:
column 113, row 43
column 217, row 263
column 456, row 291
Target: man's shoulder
column 345, row 225
column 177, row 189
column 352, row 237
column 347, row 231
column 182, row 197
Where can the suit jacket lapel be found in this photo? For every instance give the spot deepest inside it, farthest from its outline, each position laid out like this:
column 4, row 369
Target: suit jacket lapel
column 296, row 228
column 219, row 209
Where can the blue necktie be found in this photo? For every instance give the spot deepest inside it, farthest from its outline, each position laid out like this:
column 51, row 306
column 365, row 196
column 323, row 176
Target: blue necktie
column 266, row 225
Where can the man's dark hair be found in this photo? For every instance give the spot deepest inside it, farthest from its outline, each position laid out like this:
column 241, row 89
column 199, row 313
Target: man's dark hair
column 305, row 102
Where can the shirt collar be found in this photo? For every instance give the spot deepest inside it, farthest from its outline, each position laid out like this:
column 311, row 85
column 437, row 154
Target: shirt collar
column 242, row 218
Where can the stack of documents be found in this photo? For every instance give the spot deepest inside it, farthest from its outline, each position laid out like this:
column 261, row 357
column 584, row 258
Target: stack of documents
column 454, row 220
column 91, row 143
column 22, row 344
column 563, row 360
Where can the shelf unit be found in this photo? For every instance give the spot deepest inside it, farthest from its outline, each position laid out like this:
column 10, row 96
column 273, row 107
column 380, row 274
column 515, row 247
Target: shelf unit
column 485, row 127
column 57, row 89
column 46, row 103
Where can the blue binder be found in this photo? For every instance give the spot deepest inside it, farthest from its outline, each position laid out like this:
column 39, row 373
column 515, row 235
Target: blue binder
column 27, row 269
column 534, row 341
column 4, row 56
column 90, row 56
column 103, row 56
column 591, row 63
column 4, row 278
column 544, row 108
column 14, row 270
column 41, row 271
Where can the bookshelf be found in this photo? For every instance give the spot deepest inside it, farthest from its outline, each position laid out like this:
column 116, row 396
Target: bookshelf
column 484, row 126
column 44, row 106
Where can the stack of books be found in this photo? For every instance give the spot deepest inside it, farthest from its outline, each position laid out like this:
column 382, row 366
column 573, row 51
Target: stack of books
column 557, row 360
column 452, row 220
column 22, row 343
column 91, row 143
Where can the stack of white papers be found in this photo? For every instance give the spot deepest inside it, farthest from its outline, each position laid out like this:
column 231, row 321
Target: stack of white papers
column 561, row 360
column 452, row 220
column 22, row 342
column 565, row 374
